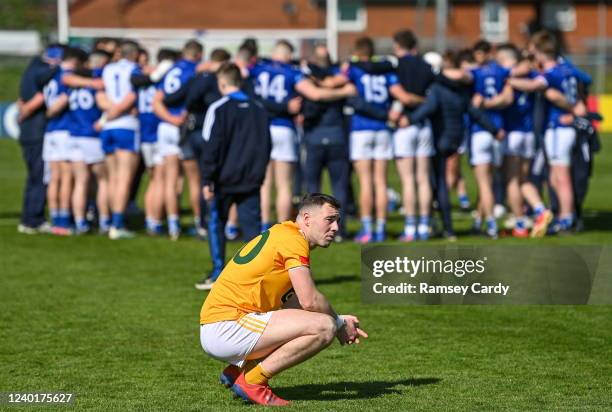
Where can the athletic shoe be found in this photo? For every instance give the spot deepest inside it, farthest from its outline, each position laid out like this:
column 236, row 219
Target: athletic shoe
column 229, row 375
column 449, row 236
column 82, row 228
column 257, row 394
column 405, row 237
column 174, row 233
column 61, row 231
column 34, row 230
column 363, row 237
column 231, row 232
column 499, row 211
column 379, row 236
column 520, row 232
column 423, row 232
column 540, row 226
column 205, row 284
column 115, row 234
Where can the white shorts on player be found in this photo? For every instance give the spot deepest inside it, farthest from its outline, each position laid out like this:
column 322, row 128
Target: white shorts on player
column 168, row 140
column 151, row 154
column 413, row 141
column 232, row 341
column 86, row 149
column 558, row 143
column 521, row 144
column 371, row 145
column 284, row 144
column 56, row 146
column 485, row 149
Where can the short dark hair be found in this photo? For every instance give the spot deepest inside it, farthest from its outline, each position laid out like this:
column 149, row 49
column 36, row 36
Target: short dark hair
column 509, row 48
column 129, row 49
column 193, row 47
column 406, row 39
column 167, row 54
column 482, row 45
column 220, row 55
column 231, row 73
column 251, row 44
column 318, row 199
column 464, row 55
column 75, row 53
column 546, row 43
column 364, row 46
column 287, row 44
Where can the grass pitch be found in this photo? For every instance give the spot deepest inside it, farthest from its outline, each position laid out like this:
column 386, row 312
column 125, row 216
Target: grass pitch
column 116, row 323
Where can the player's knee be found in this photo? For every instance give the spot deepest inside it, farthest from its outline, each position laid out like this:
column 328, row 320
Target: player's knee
column 326, row 329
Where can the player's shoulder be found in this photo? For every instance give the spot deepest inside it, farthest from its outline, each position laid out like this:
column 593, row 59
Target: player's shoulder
column 288, row 234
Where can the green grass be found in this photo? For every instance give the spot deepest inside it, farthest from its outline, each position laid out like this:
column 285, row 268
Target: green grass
column 116, row 323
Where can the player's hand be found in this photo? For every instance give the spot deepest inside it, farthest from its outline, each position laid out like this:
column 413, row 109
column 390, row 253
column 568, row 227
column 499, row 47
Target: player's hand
column 477, row 100
column 394, row 116
column 353, row 331
column 97, row 84
column 566, row 119
column 294, row 105
column 404, row 122
column 208, row 193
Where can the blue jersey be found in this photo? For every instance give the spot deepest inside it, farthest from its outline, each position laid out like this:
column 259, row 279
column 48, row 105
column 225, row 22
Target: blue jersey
column 489, row 81
column 175, row 79
column 52, row 90
column 374, row 89
column 148, row 120
column 275, row 81
column 562, row 77
column 83, row 111
column 519, row 115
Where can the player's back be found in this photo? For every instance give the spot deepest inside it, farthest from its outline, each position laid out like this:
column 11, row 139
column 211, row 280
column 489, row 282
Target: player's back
column 51, row 92
column 148, row 120
column 489, row 81
column 117, row 85
column 374, row 89
column 561, row 77
column 414, row 74
column 83, row 110
column 275, row 82
column 175, row 79
column 257, row 277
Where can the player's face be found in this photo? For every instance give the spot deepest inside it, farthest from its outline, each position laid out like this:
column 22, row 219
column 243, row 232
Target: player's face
column 324, row 225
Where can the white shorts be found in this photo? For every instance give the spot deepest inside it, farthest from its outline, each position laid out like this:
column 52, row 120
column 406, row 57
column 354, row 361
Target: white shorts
column 485, row 149
column 559, row 143
column 413, row 141
column 151, row 154
column 232, row 341
column 168, row 139
column 56, row 146
column 520, row 144
column 371, row 144
column 86, row 149
column 284, row 144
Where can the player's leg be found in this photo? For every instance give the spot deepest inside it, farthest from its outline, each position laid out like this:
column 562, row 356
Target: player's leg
column 362, row 153
column 192, row 172
column 102, row 196
column 126, row 163
column 53, row 191
column 423, row 181
column 266, row 196
column 248, row 214
column 339, row 170
column 232, row 227
column 79, row 195
column 65, row 194
column 171, row 166
column 283, row 179
column 512, row 172
column 313, row 169
column 405, row 170
column 380, row 193
column 484, row 158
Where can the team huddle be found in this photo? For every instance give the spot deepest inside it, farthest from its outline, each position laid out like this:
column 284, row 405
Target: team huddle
column 520, row 117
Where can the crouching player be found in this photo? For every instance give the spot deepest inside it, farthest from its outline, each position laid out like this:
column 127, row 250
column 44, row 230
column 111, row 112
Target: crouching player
column 264, row 314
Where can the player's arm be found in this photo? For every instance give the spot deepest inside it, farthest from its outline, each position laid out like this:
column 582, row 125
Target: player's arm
column 76, row 81
column 501, row 100
column 308, row 89
column 458, row 75
column 367, row 109
column 557, row 98
column 27, row 108
column 528, row 85
column 407, row 98
column 58, row 105
column 125, row 105
column 310, row 298
column 161, row 111
column 429, row 107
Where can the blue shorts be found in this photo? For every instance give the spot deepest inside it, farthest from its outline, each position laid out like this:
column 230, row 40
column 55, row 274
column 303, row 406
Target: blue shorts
column 119, row 139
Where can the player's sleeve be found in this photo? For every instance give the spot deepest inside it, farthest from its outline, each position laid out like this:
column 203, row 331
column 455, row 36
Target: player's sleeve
column 427, row 108
column 294, row 252
column 392, row 79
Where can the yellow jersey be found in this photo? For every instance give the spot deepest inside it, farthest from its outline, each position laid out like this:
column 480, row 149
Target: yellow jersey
column 257, row 277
